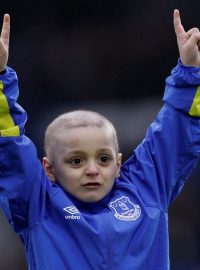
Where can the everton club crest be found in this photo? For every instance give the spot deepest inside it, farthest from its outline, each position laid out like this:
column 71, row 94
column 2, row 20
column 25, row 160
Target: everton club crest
column 125, row 210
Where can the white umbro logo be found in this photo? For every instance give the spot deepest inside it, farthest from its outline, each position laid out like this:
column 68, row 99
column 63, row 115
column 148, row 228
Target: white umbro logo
column 73, row 211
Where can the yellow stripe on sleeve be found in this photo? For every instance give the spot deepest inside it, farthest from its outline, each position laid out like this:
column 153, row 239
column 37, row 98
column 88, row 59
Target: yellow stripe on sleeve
column 13, row 131
column 195, row 108
column 7, row 125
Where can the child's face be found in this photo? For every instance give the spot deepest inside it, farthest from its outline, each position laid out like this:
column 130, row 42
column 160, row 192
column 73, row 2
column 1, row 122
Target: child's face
column 86, row 162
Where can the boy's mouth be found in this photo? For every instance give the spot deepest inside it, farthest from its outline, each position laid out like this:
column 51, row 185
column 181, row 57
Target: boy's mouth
column 92, row 185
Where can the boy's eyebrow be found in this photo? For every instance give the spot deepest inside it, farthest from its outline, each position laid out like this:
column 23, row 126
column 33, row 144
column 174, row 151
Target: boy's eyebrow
column 108, row 149
column 80, row 152
column 75, row 152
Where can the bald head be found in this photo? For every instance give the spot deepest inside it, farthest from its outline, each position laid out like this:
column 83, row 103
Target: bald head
column 75, row 119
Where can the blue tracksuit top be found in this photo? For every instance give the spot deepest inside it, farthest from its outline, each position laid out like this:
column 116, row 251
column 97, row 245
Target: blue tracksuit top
column 128, row 228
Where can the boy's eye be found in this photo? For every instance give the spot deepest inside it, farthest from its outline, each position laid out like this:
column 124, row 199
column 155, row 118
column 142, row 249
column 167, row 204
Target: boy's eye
column 104, row 159
column 75, row 161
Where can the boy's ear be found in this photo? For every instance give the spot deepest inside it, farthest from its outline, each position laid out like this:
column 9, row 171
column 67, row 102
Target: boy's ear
column 48, row 169
column 119, row 162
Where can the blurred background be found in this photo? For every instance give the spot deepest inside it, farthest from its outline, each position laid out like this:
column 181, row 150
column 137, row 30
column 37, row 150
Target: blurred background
column 111, row 57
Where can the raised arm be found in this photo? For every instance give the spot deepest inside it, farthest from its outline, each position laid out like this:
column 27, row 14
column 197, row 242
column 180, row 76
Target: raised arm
column 23, row 183
column 164, row 160
column 4, row 42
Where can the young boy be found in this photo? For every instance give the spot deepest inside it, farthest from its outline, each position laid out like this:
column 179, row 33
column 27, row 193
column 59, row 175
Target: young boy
column 83, row 209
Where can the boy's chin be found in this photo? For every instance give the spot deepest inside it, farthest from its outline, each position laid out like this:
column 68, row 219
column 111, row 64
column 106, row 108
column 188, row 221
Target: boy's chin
column 90, row 198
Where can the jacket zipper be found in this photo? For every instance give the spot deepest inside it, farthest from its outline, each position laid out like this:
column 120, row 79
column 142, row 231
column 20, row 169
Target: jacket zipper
column 109, row 243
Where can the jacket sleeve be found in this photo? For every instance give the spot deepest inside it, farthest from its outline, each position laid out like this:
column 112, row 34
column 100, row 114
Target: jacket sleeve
column 23, row 183
column 164, row 160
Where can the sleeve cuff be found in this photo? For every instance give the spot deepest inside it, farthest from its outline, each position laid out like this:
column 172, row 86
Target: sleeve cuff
column 183, row 89
column 184, row 75
column 4, row 74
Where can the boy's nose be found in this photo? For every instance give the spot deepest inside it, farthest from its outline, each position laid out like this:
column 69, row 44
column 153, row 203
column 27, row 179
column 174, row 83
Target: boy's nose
column 92, row 168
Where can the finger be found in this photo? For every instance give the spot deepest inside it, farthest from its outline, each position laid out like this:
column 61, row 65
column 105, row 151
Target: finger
column 194, row 39
column 192, row 31
column 178, row 27
column 5, row 32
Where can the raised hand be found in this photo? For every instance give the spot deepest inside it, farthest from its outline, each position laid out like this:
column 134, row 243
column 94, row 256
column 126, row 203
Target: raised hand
column 4, row 42
column 188, row 42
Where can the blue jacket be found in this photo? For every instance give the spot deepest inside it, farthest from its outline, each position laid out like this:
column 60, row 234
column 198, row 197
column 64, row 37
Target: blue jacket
column 128, row 228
